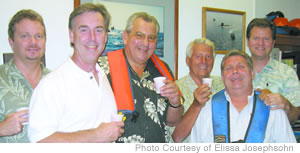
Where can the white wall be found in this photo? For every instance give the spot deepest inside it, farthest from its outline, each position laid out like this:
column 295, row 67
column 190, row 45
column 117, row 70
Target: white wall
column 290, row 8
column 55, row 14
column 190, row 25
column 190, row 17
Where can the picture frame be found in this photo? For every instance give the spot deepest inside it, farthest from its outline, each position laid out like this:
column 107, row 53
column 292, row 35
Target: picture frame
column 226, row 28
column 7, row 56
column 170, row 15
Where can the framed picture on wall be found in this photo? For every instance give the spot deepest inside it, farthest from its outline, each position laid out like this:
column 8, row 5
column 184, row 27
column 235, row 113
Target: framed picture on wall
column 164, row 11
column 8, row 56
column 226, row 28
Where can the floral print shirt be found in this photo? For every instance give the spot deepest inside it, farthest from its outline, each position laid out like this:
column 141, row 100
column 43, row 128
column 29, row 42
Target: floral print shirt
column 148, row 123
column 187, row 86
column 279, row 78
column 15, row 92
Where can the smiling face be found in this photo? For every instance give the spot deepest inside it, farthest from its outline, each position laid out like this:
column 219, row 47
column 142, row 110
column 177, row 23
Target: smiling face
column 29, row 41
column 237, row 75
column 140, row 43
column 89, row 37
column 201, row 62
column 260, row 42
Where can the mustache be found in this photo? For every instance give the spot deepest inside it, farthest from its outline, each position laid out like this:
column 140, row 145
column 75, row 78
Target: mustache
column 33, row 46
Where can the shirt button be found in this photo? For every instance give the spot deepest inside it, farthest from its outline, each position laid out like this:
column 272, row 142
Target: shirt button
column 91, row 77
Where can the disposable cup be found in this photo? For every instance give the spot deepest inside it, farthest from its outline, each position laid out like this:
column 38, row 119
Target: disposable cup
column 207, row 81
column 24, row 116
column 117, row 118
column 158, row 83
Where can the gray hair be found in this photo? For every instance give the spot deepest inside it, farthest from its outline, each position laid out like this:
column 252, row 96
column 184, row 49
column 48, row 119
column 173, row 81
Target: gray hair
column 237, row 53
column 19, row 16
column 146, row 17
column 204, row 41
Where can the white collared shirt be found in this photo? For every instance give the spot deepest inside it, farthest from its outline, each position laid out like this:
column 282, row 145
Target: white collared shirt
column 68, row 100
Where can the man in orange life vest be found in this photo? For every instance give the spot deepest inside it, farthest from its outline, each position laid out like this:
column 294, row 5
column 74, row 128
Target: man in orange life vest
column 131, row 71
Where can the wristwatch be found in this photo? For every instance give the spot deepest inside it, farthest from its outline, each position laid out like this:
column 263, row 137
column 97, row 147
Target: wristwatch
column 181, row 103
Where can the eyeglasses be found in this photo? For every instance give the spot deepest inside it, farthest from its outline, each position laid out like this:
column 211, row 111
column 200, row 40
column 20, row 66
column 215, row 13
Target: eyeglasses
column 142, row 36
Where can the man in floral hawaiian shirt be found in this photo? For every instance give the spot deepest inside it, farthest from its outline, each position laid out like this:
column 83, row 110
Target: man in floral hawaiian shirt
column 271, row 74
column 200, row 54
column 27, row 38
column 153, row 111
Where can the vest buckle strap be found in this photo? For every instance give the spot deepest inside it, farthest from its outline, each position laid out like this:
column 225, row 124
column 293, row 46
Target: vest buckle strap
column 220, row 139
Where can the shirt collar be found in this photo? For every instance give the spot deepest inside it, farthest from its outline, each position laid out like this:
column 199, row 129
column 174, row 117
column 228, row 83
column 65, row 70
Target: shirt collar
column 190, row 83
column 270, row 65
column 250, row 97
column 81, row 73
column 13, row 68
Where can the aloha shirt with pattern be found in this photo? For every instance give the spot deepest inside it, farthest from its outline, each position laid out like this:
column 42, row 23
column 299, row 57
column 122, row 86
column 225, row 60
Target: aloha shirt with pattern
column 150, row 126
column 15, row 92
column 187, row 86
column 279, row 78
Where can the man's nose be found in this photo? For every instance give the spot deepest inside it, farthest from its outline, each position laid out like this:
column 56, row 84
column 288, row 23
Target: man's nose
column 146, row 41
column 235, row 70
column 261, row 41
column 203, row 59
column 33, row 39
column 92, row 35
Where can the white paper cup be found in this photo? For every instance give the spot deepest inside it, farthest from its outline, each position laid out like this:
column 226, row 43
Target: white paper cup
column 21, row 109
column 116, row 118
column 24, row 116
column 207, row 81
column 158, row 83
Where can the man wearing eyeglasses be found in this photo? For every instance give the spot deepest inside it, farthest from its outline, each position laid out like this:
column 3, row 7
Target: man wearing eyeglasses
column 131, row 72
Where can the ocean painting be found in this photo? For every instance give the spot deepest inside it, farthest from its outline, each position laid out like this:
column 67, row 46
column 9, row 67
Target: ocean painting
column 225, row 30
column 120, row 12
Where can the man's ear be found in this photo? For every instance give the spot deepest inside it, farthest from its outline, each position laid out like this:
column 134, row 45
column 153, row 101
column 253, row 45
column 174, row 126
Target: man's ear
column 247, row 40
column 125, row 37
column 222, row 77
column 106, row 38
column 71, row 36
column 252, row 74
column 273, row 43
column 187, row 61
column 11, row 43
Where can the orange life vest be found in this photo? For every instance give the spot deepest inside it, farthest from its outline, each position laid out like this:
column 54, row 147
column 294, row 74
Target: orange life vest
column 120, row 77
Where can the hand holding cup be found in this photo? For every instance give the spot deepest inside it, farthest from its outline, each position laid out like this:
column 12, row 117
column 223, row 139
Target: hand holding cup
column 158, row 83
column 24, row 116
column 207, row 81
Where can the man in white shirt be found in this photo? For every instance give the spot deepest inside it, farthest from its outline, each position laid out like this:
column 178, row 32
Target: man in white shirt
column 75, row 103
column 238, row 101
